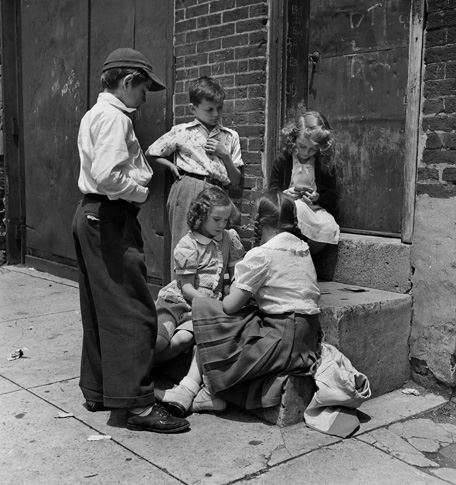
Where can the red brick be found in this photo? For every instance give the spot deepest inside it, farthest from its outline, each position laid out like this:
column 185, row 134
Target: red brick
column 450, row 104
column 180, row 62
column 258, row 10
column 439, row 191
column 232, row 93
column 449, row 175
column 217, row 69
column 236, row 14
column 184, row 74
column 440, row 54
column 433, row 141
column 235, row 40
column 257, row 91
column 197, row 11
column 225, row 81
column 254, row 170
column 439, row 156
column 256, row 117
column 179, row 15
column 440, row 87
column 179, row 110
column 255, row 144
column 433, row 5
column 218, row 5
column 251, row 25
column 435, row 71
column 428, row 174
column 242, row 3
column 250, row 78
column 450, row 71
column 236, row 66
column 251, row 158
column 258, row 64
column 439, row 123
column 221, row 56
column 196, row 60
column 449, row 140
column 209, row 20
column 184, row 50
column 179, row 87
column 436, row 37
column 244, row 142
column 221, row 31
column 185, row 3
column 259, row 37
column 185, row 25
column 250, row 104
column 197, row 35
column 205, row 70
column 451, row 35
column 208, row 45
column 249, row 51
column 179, row 39
column 251, row 130
column 441, row 18
column 433, row 106
column 181, row 98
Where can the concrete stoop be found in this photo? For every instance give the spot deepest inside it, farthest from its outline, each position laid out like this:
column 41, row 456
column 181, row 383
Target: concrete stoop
column 371, row 327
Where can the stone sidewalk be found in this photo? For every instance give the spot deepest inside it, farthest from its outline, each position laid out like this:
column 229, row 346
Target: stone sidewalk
column 405, row 439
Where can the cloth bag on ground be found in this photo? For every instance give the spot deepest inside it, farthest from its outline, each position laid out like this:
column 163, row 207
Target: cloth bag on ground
column 341, row 389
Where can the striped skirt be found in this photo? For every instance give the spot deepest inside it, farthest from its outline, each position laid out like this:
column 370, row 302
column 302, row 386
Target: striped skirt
column 246, row 357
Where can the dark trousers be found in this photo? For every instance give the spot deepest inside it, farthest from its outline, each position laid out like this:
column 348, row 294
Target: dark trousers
column 118, row 313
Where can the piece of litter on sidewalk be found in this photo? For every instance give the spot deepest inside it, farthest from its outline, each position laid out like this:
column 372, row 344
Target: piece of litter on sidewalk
column 98, row 437
column 17, row 354
column 410, row 390
column 64, row 415
column 355, row 290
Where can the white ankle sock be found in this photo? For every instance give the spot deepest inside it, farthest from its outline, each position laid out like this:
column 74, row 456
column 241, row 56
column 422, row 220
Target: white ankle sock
column 190, row 384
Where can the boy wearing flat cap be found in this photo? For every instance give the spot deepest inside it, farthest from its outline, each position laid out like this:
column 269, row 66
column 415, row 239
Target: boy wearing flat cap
column 118, row 313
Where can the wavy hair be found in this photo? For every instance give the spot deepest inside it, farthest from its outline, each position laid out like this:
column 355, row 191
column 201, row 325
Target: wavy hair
column 309, row 123
column 277, row 210
column 202, row 205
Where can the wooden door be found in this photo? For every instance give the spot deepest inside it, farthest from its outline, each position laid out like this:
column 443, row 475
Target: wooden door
column 64, row 43
column 358, row 80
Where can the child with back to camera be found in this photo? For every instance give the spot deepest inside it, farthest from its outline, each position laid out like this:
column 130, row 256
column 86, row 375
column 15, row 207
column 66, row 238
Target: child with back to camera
column 206, row 153
column 243, row 351
column 201, row 258
column 304, row 171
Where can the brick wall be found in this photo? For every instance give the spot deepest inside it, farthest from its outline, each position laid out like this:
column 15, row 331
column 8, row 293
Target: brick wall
column 227, row 39
column 437, row 171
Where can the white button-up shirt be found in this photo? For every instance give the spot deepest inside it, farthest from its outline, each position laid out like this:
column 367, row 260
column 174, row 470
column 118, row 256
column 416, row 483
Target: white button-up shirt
column 112, row 162
column 187, row 142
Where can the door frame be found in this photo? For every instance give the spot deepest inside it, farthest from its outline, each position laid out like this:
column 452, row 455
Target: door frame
column 12, row 132
column 278, row 94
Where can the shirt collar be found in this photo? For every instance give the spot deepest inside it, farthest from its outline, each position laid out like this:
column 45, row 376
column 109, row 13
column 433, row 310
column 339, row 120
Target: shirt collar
column 214, row 130
column 285, row 241
column 114, row 101
column 204, row 240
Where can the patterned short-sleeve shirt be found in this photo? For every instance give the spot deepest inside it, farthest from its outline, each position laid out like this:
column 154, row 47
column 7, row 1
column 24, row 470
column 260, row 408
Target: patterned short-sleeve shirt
column 187, row 140
column 207, row 259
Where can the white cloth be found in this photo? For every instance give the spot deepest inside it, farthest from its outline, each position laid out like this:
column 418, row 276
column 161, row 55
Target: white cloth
column 112, row 162
column 280, row 275
column 317, row 224
column 187, row 142
column 340, row 386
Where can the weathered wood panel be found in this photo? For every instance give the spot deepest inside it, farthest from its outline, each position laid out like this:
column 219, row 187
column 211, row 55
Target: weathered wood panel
column 154, row 37
column 360, row 85
column 54, row 89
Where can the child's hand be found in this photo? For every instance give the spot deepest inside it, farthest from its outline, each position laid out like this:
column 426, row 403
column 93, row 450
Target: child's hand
column 175, row 172
column 214, row 147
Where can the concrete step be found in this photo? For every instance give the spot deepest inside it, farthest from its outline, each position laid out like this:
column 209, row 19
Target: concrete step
column 371, row 327
column 375, row 262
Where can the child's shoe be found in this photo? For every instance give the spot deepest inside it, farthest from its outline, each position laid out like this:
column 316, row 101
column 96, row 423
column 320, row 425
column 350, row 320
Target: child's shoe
column 205, row 402
column 179, row 399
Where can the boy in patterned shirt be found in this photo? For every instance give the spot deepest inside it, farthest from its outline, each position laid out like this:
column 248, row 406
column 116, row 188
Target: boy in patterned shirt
column 205, row 153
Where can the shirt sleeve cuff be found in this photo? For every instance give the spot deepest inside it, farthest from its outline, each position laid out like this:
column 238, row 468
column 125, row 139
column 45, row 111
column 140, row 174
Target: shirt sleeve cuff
column 241, row 286
column 139, row 195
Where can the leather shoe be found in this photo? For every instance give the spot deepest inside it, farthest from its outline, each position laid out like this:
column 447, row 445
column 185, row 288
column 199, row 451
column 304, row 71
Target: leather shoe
column 94, row 406
column 159, row 420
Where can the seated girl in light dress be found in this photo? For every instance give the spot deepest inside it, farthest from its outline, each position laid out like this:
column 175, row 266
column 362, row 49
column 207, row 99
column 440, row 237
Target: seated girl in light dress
column 244, row 352
column 305, row 172
column 201, row 259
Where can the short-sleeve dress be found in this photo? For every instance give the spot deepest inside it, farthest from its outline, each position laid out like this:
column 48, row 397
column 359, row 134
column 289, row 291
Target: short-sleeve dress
column 208, row 259
column 246, row 357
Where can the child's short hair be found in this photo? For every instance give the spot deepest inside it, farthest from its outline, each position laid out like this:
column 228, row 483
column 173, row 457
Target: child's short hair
column 310, row 123
column 206, row 88
column 278, row 211
column 111, row 78
column 202, row 205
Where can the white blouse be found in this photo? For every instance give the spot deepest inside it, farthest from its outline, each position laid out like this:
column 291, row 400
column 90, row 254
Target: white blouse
column 280, row 275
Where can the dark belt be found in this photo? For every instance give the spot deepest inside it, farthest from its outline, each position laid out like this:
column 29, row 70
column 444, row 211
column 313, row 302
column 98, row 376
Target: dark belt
column 206, row 178
column 104, row 198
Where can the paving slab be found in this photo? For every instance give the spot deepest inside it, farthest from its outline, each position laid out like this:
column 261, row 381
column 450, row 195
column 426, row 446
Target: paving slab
column 448, row 474
column 395, row 406
column 41, row 274
column 23, row 296
column 53, row 348
column 38, row 448
column 348, row 462
column 223, row 448
column 7, row 386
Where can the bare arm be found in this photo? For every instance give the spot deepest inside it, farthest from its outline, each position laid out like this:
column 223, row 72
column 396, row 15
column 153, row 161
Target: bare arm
column 235, row 300
column 187, row 283
column 160, row 161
